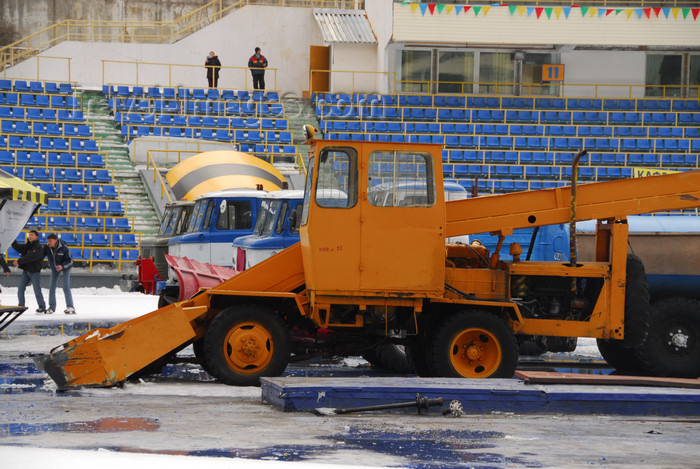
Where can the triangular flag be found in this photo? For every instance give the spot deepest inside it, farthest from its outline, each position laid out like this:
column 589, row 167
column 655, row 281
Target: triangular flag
column 548, row 12
column 657, row 11
column 584, row 10
column 557, row 12
column 414, row 7
column 639, row 12
column 440, row 8
column 423, row 8
column 675, row 12
column 696, row 11
column 666, row 11
column 608, row 11
column 466, row 8
column 476, row 11
column 486, row 10
column 629, row 12
column 458, row 10
column 522, row 10
column 450, row 8
column 512, row 9
column 530, row 10
column 618, row 11
column 539, row 11
column 647, row 12
column 594, row 11
column 431, row 7
column 567, row 11
column 601, row 12
column 685, row 12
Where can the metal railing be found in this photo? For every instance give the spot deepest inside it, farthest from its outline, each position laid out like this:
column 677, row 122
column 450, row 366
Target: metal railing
column 137, row 66
column 548, row 89
column 153, row 32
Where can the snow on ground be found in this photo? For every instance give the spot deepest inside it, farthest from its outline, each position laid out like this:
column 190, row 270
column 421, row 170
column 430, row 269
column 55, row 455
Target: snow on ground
column 36, row 458
column 91, row 304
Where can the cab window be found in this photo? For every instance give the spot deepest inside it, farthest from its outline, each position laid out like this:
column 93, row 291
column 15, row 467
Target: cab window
column 237, row 215
column 400, row 179
column 209, row 214
column 336, row 185
column 282, row 217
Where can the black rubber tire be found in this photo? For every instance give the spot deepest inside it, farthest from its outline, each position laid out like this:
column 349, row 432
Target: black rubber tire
column 637, row 307
column 198, row 347
column 672, row 319
column 624, row 360
column 440, row 348
column 371, row 356
column 417, row 359
column 217, row 350
column 392, row 357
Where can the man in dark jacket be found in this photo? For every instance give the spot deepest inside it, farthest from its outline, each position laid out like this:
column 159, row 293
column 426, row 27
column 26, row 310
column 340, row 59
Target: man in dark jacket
column 4, row 267
column 60, row 261
column 213, row 65
column 30, row 261
column 257, row 64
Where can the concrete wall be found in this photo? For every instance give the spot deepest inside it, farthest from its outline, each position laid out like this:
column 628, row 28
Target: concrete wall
column 284, row 34
column 381, row 17
column 31, row 16
column 355, row 57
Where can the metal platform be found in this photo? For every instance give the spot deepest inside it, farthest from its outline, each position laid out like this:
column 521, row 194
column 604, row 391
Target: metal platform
column 292, row 394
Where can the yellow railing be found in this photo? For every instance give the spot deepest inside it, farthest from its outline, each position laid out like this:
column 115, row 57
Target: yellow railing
column 155, row 77
column 357, row 81
column 154, row 32
column 547, row 89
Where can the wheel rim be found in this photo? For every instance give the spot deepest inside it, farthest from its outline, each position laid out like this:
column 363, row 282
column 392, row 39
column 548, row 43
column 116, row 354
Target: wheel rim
column 475, row 353
column 248, row 347
column 679, row 339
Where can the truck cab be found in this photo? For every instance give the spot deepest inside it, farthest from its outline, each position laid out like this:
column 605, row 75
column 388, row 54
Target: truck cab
column 276, row 228
column 217, row 219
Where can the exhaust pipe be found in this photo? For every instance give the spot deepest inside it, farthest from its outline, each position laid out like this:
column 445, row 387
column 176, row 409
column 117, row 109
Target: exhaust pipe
column 572, row 220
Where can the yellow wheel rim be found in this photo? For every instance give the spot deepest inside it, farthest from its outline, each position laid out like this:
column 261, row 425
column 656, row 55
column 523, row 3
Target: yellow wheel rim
column 475, row 353
column 248, row 347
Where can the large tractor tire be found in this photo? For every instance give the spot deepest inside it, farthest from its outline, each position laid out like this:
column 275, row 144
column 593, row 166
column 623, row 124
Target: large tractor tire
column 473, row 344
column 392, row 357
column 673, row 345
column 637, row 308
column 244, row 343
column 624, row 360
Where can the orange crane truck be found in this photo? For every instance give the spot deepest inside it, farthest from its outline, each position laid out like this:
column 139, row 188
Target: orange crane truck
column 373, row 267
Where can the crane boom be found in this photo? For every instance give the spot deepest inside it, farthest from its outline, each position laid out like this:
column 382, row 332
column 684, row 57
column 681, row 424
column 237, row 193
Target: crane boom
column 618, row 198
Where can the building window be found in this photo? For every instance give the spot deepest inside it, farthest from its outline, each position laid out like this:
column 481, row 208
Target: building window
column 415, row 66
column 663, row 74
column 496, row 73
column 455, row 72
column 532, row 84
column 694, row 76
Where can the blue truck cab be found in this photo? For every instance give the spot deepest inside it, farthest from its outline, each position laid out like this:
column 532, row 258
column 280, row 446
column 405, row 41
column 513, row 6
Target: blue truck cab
column 275, row 229
column 217, row 219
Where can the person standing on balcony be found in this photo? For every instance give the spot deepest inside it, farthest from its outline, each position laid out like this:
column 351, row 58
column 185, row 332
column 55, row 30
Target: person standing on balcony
column 30, row 261
column 213, row 65
column 257, row 64
column 60, row 262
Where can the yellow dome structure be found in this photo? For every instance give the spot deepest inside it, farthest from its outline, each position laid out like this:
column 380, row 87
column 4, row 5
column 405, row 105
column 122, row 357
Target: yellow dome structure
column 221, row 170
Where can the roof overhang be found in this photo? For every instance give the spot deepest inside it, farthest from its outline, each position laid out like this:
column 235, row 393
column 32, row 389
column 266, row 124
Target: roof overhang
column 344, row 26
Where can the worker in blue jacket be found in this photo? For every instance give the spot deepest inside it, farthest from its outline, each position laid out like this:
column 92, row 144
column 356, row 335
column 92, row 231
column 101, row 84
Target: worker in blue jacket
column 257, row 64
column 60, row 262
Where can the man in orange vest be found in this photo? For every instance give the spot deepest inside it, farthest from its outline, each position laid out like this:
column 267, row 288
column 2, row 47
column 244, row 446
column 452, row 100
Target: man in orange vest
column 257, row 64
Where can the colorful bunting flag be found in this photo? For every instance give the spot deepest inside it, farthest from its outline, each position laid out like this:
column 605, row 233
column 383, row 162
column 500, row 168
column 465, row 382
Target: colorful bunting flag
column 586, row 12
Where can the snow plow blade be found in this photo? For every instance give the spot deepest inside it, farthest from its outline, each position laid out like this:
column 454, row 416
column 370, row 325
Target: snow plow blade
column 193, row 275
column 107, row 357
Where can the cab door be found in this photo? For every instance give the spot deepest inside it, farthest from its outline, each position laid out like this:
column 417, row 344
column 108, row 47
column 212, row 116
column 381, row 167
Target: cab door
column 403, row 219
